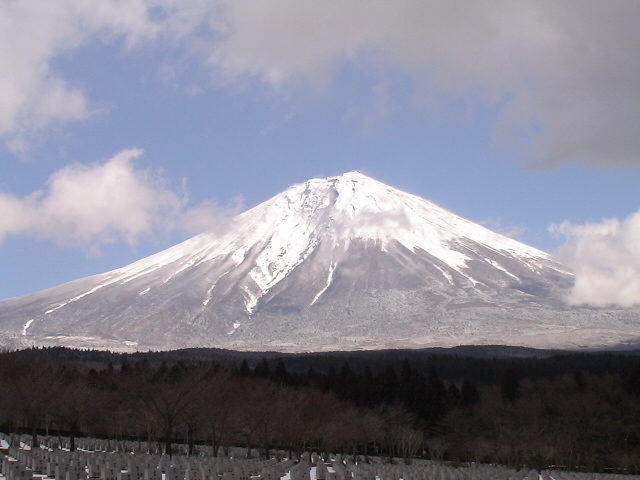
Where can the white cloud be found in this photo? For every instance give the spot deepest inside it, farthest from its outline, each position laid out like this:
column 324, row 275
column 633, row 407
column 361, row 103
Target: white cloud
column 33, row 95
column 93, row 205
column 563, row 76
column 605, row 257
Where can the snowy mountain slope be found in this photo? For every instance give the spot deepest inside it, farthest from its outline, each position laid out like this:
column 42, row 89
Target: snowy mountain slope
column 338, row 263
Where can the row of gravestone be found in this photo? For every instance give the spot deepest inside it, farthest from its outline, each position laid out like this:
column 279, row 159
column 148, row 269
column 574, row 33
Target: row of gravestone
column 100, row 445
column 424, row 469
column 82, row 465
column 93, row 461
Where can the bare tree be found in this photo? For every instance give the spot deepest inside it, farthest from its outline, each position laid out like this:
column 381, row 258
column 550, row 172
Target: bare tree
column 406, row 441
column 218, row 416
column 401, row 437
column 73, row 405
column 210, row 413
column 353, row 430
column 259, row 411
column 34, row 388
column 168, row 394
column 306, row 419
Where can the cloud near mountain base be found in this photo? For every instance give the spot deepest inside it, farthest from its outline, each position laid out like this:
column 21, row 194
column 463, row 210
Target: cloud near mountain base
column 605, row 257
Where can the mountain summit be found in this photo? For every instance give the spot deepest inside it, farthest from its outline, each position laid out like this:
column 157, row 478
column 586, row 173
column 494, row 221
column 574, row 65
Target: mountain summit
column 338, row 263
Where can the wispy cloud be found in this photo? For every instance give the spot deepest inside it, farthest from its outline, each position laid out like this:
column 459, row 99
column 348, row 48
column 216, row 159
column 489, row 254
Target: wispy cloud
column 605, row 257
column 511, row 231
column 102, row 203
column 563, row 77
column 34, row 95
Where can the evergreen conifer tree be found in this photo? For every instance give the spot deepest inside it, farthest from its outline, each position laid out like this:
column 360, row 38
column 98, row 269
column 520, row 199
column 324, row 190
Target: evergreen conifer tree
column 469, row 394
column 510, row 387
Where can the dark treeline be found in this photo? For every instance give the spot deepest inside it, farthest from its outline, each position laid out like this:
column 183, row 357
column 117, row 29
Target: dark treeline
column 197, row 402
column 574, row 411
column 480, row 364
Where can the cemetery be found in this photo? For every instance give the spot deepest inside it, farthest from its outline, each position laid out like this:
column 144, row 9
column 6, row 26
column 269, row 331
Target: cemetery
column 110, row 460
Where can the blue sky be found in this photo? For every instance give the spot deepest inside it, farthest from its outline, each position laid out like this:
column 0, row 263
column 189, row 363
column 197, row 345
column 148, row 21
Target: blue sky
column 126, row 127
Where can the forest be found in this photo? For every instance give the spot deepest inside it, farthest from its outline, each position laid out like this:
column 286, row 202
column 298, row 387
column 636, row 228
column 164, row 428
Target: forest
column 570, row 411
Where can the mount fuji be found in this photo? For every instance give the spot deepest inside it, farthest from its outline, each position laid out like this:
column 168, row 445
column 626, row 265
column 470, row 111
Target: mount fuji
column 339, row 263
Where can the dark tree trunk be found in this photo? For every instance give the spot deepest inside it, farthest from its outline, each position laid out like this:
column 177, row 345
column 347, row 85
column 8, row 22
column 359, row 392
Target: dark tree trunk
column 249, row 448
column 34, row 437
column 215, row 444
column 167, row 441
column 190, row 440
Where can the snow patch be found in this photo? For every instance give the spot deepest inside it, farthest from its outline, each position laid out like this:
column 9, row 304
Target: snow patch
column 332, row 269
column 206, row 301
column 252, row 300
column 70, row 337
column 446, row 275
column 26, row 327
column 76, row 298
column 239, row 256
column 500, row 267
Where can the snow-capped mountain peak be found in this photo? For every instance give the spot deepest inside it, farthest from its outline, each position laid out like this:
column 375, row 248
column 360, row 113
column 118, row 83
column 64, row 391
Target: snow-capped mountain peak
column 333, row 213
column 353, row 206
column 331, row 263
